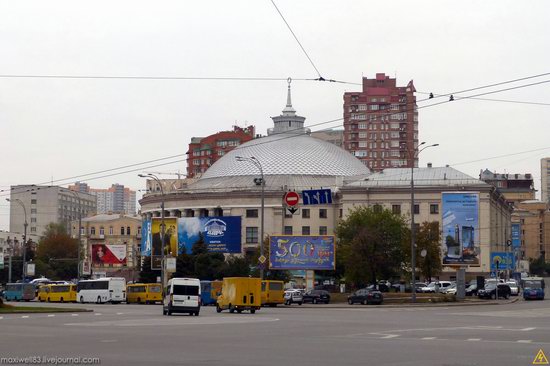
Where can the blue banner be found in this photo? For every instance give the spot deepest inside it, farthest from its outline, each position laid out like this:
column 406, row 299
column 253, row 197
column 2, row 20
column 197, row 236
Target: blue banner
column 316, row 197
column 302, row 252
column 221, row 234
column 146, row 238
column 505, row 261
column 516, row 235
column 460, row 217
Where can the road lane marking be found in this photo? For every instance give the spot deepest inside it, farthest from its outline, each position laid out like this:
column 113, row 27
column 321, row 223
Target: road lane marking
column 175, row 321
column 74, row 314
column 390, row 336
column 1, row 317
column 108, row 341
column 524, row 341
column 96, row 314
column 51, row 315
column 428, row 338
column 119, row 313
column 473, row 339
column 528, row 329
column 25, row 317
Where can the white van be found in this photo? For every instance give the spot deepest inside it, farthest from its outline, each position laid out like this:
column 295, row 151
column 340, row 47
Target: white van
column 182, row 295
column 107, row 289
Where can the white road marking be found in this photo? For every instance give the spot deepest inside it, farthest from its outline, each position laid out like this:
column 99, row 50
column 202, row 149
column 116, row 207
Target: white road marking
column 390, row 336
column 25, row 317
column 51, row 315
column 528, row 329
column 428, row 338
column 473, row 339
column 96, row 314
column 119, row 313
column 1, row 317
column 524, row 341
column 108, row 341
column 74, row 314
column 176, row 321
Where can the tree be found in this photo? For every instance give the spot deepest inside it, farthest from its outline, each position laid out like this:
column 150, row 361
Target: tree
column 427, row 238
column 236, row 266
column 370, row 242
column 185, row 266
column 275, row 275
column 58, row 253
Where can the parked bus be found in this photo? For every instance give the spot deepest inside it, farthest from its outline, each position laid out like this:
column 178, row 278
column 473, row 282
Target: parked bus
column 144, row 293
column 533, row 288
column 19, row 292
column 106, row 289
column 60, row 293
column 273, row 293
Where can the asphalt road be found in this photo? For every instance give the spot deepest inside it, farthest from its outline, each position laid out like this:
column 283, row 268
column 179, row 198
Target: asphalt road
column 510, row 334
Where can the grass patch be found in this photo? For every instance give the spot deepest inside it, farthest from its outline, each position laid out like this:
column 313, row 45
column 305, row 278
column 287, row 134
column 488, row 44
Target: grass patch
column 10, row 309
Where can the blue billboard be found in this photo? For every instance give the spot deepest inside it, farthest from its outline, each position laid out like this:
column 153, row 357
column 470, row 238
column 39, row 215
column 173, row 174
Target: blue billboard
column 302, row 252
column 460, row 218
column 146, row 238
column 221, row 234
column 516, row 235
column 505, row 261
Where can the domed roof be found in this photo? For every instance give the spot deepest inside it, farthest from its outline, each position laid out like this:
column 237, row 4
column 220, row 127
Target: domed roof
column 289, row 153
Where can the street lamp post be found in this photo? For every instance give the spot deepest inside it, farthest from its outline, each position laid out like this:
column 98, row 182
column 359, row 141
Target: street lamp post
column 24, row 236
column 162, row 227
column 413, row 232
column 258, row 165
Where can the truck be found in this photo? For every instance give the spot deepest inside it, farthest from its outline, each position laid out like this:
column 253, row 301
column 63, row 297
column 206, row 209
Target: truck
column 240, row 293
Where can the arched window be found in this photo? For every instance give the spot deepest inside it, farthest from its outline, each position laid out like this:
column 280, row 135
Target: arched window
column 128, row 230
column 122, row 230
column 101, row 230
column 92, row 230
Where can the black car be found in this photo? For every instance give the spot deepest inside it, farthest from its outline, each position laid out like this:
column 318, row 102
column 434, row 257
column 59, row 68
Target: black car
column 366, row 297
column 471, row 290
column 490, row 290
column 316, row 296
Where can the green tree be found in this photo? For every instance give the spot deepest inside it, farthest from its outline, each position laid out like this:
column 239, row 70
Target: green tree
column 58, row 253
column 427, row 239
column 370, row 242
column 185, row 266
column 236, row 266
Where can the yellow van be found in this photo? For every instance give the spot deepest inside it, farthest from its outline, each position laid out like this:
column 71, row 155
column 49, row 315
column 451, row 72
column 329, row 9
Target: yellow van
column 144, row 293
column 216, row 289
column 43, row 292
column 240, row 293
column 60, row 293
column 273, row 293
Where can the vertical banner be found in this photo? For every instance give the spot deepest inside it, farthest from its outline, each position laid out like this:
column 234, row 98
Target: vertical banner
column 516, row 235
column 146, row 238
column 221, row 234
column 170, row 236
column 460, row 217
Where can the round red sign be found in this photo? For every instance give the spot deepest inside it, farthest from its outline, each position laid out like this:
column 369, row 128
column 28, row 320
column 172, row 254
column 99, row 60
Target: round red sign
column 291, row 199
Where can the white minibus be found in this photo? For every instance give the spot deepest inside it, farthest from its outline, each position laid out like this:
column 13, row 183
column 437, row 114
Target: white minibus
column 107, row 289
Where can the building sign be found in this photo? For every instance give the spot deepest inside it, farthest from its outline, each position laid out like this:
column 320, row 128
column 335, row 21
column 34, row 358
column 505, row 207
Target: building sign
column 86, row 268
column 221, row 234
column 108, row 254
column 506, row 261
column 30, row 269
column 170, row 236
column 460, row 217
column 516, row 235
column 317, row 197
column 302, row 252
column 146, row 238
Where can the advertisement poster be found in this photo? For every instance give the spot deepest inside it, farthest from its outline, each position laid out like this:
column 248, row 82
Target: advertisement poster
column 460, row 217
column 221, row 234
column 170, row 236
column 506, row 261
column 302, row 252
column 146, row 238
column 516, row 235
column 108, row 254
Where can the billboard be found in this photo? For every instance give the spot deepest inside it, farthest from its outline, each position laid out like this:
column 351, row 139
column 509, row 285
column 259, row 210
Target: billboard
column 170, row 235
column 302, row 252
column 460, row 218
column 108, row 254
column 516, row 235
column 506, row 261
column 146, row 238
column 221, row 234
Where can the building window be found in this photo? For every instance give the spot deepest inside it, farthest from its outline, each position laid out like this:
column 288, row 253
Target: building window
column 434, row 208
column 377, row 208
column 33, row 201
column 82, row 232
column 33, row 229
column 218, row 211
column 288, row 230
column 101, row 230
column 33, row 219
column 33, row 211
column 323, row 213
column 122, row 230
column 305, row 213
column 139, row 230
column 92, row 230
column 251, row 235
column 396, row 209
column 111, row 230
column 306, row 230
column 128, row 230
column 323, row 230
column 416, row 209
column 252, row 213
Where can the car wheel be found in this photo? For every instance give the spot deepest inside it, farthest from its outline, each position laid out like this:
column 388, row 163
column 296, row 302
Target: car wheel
column 314, row 301
column 365, row 302
column 493, row 296
column 239, row 311
column 252, row 311
column 82, row 299
column 231, row 309
column 218, row 309
column 507, row 296
column 300, row 303
column 350, row 302
column 49, row 299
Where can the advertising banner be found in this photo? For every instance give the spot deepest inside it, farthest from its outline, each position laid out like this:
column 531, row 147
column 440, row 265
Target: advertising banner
column 302, row 252
column 221, row 234
column 146, row 238
column 460, row 217
column 506, row 261
column 170, row 236
column 516, row 235
column 108, row 254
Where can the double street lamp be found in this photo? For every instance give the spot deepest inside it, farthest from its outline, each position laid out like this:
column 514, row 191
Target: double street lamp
column 260, row 182
column 162, row 226
column 417, row 152
column 24, row 236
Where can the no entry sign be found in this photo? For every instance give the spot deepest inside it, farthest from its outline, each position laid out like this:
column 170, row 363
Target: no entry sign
column 291, row 199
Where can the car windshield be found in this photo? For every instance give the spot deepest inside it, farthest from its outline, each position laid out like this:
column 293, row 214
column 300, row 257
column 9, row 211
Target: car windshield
column 490, row 286
column 532, row 284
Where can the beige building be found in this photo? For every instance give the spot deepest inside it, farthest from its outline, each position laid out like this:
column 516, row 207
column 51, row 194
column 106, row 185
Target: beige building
column 333, row 136
column 110, row 243
column 545, row 179
column 534, row 218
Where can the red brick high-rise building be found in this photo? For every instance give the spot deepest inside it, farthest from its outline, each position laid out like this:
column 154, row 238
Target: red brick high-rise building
column 381, row 123
column 204, row 151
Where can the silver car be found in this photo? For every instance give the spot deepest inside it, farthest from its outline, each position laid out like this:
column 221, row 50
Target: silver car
column 294, row 297
column 514, row 288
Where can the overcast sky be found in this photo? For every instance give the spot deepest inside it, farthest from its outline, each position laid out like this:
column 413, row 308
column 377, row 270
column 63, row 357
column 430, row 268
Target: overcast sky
column 59, row 128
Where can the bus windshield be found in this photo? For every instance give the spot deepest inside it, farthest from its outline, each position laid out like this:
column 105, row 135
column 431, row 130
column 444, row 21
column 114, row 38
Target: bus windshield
column 532, row 284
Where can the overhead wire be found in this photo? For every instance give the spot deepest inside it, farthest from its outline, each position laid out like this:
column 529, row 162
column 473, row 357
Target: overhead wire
column 492, row 100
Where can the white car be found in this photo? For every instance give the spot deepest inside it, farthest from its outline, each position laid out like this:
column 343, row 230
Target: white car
column 434, row 287
column 294, row 297
column 514, row 288
column 451, row 290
